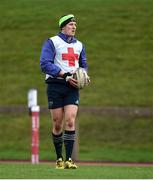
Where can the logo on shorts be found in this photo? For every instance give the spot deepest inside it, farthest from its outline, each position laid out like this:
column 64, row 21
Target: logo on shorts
column 50, row 104
column 77, row 102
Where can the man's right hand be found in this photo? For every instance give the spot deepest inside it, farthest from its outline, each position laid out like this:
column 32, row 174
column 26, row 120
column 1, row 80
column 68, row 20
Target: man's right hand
column 69, row 78
column 67, row 75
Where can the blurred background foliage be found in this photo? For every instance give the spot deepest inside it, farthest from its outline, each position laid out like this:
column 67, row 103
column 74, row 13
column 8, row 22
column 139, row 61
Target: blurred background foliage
column 118, row 38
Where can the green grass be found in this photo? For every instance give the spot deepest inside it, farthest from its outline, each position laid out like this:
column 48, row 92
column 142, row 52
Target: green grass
column 100, row 138
column 118, row 38
column 119, row 41
column 44, row 171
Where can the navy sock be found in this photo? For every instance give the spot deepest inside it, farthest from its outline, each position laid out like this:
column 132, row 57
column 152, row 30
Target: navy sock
column 69, row 138
column 58, row 143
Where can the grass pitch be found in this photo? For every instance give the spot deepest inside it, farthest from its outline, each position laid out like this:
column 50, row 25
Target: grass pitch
column 119, row 41
column 117, row 139
column 28, row 171
column 117, row 35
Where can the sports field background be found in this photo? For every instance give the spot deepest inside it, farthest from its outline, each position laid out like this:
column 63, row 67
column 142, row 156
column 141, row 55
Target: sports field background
column 119, row 42
column 47, row 171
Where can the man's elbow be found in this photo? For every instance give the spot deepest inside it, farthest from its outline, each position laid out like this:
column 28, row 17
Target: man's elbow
column 43, row 67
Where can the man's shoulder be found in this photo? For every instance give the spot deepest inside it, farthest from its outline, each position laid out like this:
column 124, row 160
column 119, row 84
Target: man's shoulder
column 54, row 37
column 78, row 41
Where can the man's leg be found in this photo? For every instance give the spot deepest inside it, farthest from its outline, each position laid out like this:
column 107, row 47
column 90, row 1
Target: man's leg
column 57, row 136
column 70, row 112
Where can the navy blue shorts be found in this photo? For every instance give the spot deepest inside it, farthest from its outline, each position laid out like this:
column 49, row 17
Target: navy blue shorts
column 61, row 94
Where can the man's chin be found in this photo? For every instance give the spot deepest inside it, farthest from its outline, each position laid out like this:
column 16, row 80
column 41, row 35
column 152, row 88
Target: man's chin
column 71, row 35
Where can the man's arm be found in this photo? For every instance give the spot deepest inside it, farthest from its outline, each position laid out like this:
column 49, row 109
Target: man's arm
column 83, row 59
column 47, row 59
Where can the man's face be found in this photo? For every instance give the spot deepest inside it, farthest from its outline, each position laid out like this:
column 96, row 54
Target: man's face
column 69, row 29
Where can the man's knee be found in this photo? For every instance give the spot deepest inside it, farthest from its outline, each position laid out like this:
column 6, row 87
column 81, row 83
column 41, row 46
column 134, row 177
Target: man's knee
column 57, row 125
column 70, row 124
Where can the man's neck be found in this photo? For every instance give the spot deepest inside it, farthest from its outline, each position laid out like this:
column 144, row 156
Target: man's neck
column 67, row 38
